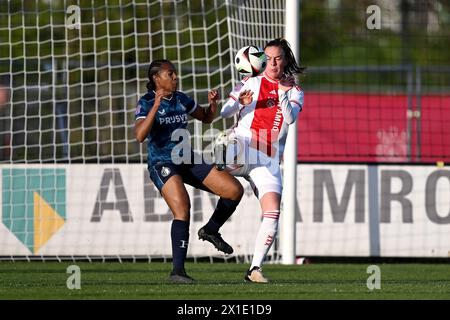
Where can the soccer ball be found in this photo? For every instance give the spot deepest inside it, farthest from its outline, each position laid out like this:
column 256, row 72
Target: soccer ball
column 250, row 61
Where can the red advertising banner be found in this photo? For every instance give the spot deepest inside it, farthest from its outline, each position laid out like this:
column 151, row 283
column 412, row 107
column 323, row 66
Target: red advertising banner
column 354, row 127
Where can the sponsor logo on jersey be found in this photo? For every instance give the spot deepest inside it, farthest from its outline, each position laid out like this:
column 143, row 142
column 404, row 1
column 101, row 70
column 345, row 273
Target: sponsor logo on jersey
column 162, row 112
column 277, row 120
column 273, row 92
column 173, row 119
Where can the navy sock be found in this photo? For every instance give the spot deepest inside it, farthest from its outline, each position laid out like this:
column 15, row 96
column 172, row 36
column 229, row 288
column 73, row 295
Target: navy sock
column 224, row 210
column 180, row 240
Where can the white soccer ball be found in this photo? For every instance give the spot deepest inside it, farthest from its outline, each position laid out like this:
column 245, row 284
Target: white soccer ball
column 250, row 61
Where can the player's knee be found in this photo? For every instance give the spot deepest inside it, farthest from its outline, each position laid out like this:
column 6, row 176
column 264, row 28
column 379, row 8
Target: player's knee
column 182, row 213
column 181, row 208
column 185, row 208
column 182, row 216
column 240, row 191
column 235, row 192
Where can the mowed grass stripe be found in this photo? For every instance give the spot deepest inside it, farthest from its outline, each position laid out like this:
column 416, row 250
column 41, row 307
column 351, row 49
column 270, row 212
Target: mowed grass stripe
column 113, row 280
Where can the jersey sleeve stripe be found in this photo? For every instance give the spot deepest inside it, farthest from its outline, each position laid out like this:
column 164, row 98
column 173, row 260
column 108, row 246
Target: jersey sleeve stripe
column 271, row 216
column 295, row 101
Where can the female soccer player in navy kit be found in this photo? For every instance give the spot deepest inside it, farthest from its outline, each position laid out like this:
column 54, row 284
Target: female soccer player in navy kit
column 159, row 113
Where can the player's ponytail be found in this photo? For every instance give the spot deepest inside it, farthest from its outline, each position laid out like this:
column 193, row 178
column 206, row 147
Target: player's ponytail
column 292, row 67
column 153, row 69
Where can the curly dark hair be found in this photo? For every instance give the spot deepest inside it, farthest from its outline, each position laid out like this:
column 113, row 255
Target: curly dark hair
column 292, row 67
column 153, row 69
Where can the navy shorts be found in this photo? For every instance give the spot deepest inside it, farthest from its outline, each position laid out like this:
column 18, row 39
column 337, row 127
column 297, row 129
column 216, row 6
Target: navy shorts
column 192, row 174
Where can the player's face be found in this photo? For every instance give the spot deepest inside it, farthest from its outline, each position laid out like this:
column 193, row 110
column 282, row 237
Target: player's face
column 167, row 78
column 276, row 62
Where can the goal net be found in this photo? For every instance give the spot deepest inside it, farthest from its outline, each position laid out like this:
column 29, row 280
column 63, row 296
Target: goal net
column 372, row 138
column 74, row 179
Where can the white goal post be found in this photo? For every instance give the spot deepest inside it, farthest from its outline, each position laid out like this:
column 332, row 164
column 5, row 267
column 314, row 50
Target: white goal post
column 288, row 221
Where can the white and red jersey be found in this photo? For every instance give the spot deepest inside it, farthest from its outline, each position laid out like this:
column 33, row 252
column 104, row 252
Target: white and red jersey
column 265, row 121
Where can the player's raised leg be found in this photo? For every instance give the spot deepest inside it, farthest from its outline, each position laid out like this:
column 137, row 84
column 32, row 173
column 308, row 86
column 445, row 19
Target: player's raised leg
column 230, row 191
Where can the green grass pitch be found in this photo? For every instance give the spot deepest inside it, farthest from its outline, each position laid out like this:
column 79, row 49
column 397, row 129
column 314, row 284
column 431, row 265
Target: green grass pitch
column 222, row 281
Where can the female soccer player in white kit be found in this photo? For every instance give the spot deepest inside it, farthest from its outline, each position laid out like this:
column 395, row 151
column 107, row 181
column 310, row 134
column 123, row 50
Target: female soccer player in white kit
column 266, row 105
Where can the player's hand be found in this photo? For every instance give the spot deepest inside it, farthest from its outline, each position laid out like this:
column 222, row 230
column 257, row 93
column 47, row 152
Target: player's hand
column 161, row 93
column 286, row 83
column 246, row 97
column 213, row 97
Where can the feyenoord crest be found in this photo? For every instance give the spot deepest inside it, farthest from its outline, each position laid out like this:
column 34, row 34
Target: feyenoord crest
column 165, row 171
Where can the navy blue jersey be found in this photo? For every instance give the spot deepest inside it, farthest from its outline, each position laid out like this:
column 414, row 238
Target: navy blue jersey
column 171, row 115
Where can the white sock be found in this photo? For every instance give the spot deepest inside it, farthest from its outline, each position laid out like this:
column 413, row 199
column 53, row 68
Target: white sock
column 265, row 237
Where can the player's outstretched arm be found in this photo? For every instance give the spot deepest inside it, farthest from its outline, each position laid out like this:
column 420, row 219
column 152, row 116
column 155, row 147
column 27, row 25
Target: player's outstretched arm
column 207, row 115
column 233, row 105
